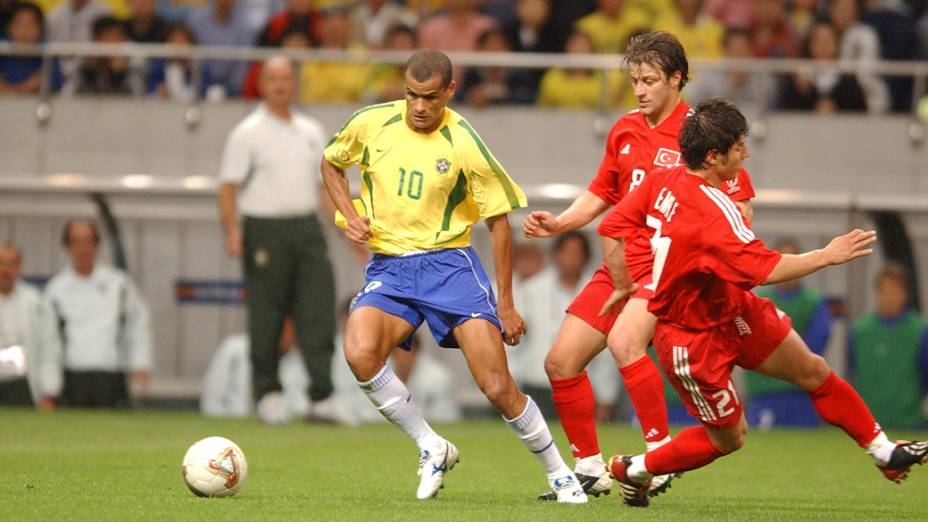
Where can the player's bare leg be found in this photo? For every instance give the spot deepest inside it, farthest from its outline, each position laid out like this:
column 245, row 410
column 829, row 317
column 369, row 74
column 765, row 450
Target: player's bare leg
column 575, row 345
column 482, row 344
column 628, row 340
column 840, row 405
column 370, row 336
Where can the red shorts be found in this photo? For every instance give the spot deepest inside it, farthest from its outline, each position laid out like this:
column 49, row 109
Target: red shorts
column 699, row 362
column 591, row 298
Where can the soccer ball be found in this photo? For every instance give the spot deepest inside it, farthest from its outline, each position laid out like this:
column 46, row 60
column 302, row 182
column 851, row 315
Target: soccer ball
column 214, row 467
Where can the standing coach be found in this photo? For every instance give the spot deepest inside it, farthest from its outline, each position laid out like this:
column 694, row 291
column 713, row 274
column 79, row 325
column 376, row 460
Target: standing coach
column 268, row 203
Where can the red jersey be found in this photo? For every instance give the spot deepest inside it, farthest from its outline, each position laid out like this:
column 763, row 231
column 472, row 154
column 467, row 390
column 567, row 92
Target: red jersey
column 633, row 149
column 706, row 257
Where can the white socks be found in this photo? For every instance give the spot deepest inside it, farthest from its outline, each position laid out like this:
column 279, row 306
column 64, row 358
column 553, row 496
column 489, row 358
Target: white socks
column 530, row 426
column 637, row 471
column 592, row 465
column 881, row 449
column 393, row 401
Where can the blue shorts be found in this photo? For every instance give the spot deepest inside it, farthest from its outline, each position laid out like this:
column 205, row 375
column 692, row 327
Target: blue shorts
column 443, row 287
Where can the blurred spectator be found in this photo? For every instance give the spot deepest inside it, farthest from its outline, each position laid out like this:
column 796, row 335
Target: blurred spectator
column 889, row 353
column 457, row 29
column 859, row 42
column 772, row 36
column 333, row 82
column 256, row 13
column 899, row 40
column 578, row 88
column 173, row 78
column 563, row 18
column 108, row 74
column 23, row 74
column 386, row 81
column 778, row 403
column 542, row 301
column 227, row 388
column 295, row 38
column 611, row 25
column 269, row 207
column 823, row 91
column 753, row 93
column 527, row 261
column 503, row 11
column 802, row 13
column 425, row 8
column 144, row 25
column 72, row 21
column 731, row 13
column 27, row 322
column 220, row 23
column 103, row 323
column 484, row 86
column 529, row 32
column 701, row 35
column 298, row 15
column 371, row 21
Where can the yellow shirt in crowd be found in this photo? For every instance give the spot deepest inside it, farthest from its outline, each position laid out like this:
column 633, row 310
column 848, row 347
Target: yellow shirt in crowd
column 421, row 191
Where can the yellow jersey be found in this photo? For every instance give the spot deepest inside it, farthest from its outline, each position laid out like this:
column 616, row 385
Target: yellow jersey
column 421, row 191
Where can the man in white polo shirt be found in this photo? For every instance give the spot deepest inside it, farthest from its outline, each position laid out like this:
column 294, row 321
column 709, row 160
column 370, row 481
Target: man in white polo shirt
column 268, row 204
column 103, row 323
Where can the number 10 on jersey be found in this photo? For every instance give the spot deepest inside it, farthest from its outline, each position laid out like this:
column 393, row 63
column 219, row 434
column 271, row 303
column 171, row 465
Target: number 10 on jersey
column 413, row 187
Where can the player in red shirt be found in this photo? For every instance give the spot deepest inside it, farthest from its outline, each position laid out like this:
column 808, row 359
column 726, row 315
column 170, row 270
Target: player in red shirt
column 639, row 142
column 706, row 260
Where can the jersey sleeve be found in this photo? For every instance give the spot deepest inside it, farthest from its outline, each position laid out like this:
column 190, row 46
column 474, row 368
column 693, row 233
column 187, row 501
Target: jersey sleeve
column 606, row 183
column 492, row 189
column 745, row 190
column 730, row 249
column 630, row 213
column 236, row 158
column 347, row 146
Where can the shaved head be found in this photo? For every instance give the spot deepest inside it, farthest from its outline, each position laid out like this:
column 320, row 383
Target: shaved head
column 278, row 83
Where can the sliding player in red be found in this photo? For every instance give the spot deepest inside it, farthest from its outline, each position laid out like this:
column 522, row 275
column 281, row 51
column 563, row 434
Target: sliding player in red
column 706, row 260
column 639, row 142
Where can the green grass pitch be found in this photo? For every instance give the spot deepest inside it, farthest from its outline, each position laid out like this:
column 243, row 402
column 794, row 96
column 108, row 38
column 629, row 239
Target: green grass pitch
column 126, row 466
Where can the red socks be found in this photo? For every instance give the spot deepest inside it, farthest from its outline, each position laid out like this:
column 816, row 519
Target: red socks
column 839, row 404
column 646, row 390
column 576, row 406
column 690, row 449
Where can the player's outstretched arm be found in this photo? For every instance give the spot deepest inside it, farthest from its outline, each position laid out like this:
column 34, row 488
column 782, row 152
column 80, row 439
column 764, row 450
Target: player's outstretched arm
column 614, row 252
column 584, row 209
column 842, row 249
column 501, row 242
column 336, row 185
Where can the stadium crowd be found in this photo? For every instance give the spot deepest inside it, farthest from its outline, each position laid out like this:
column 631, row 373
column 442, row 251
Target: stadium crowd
column 823, row 29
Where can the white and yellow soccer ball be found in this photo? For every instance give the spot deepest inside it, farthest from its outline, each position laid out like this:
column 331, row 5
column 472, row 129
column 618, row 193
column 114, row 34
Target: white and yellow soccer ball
column 214, row 467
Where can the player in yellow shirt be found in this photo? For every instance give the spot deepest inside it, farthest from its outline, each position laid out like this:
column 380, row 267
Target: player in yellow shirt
column 426, row 178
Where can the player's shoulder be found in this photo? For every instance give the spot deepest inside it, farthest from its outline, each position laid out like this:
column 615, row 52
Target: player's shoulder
column 630, row 121
column 307, row 123
column 250, row 124
column 378, row 114
column 716, row 206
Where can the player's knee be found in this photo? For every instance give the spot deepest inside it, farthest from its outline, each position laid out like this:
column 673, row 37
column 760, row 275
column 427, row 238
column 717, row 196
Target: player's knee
column 557, row 367
column 361, row 356
column 498, row 389
column 731, row 440
column 813, row 373
column 625, row 349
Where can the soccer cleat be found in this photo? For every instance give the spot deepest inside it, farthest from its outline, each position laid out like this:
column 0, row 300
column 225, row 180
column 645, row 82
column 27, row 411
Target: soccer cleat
column 272, row 409
column 568, row 490
column 592, row 485
column 904, row 456
column 661, row 483
column 634, row 493
column 432, row 468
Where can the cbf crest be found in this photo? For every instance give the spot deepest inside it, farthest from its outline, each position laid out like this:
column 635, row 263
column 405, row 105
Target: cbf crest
column 442, row 166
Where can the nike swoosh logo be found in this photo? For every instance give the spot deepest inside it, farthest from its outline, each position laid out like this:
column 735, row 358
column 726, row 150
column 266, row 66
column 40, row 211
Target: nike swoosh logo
column 475, row 314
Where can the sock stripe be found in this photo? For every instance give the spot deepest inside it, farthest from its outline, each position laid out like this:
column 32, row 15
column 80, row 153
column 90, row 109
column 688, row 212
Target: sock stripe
column 542, row 450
